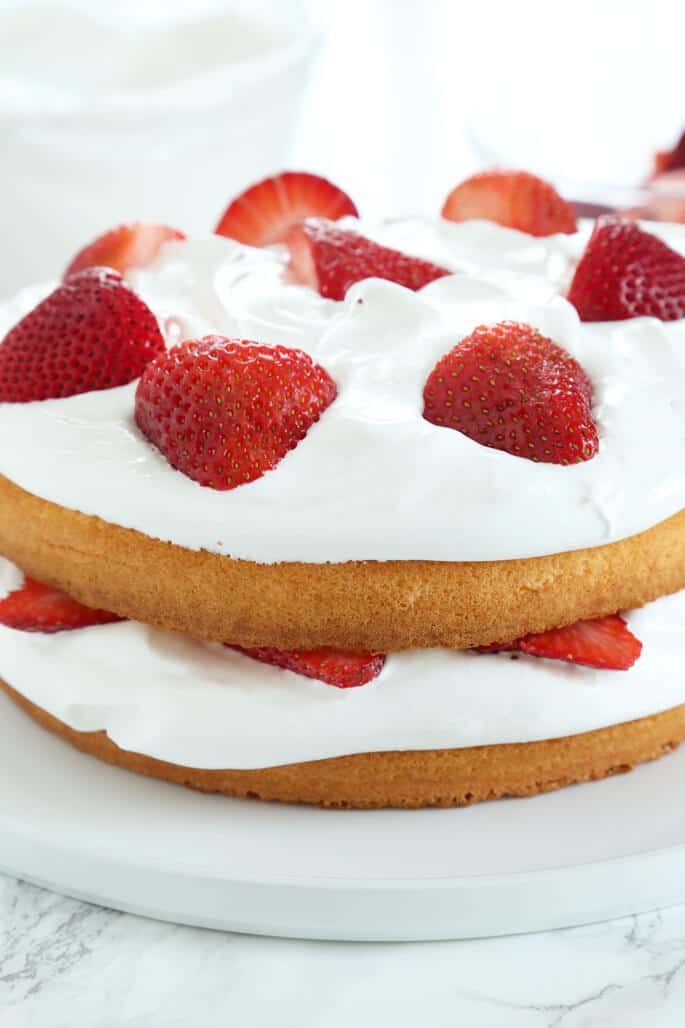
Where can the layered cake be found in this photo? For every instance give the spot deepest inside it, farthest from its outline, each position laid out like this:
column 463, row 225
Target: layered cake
column 360, row 514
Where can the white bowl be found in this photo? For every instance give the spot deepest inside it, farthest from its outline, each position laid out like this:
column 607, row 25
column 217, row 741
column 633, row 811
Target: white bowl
column 115, row 115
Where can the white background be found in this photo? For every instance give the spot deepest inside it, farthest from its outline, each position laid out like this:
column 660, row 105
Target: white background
column 582, row 90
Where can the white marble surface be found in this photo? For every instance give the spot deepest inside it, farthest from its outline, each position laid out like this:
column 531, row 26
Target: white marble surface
column 384, row 120
column 65, row 964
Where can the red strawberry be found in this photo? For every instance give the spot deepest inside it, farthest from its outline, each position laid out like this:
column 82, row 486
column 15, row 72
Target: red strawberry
column 670, row 160
column 605, row 643
column 38, row 608
column 224, row 411
column 127, row 246
column 509, row 387
column 626, row 272
column 331, row 259
column 92, row 333
column 343, row 670
column 265, row 213
column 515, row 199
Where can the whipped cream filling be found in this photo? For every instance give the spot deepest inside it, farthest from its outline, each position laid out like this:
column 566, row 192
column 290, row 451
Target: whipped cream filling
column 203, row 705
column 373, row 479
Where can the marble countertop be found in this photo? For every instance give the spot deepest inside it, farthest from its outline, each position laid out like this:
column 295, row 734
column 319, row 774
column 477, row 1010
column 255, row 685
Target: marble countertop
column 65, row 964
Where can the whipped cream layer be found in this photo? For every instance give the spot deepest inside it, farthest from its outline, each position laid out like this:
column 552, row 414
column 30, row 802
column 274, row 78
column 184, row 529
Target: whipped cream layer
column 373, row 479
column 202, row 705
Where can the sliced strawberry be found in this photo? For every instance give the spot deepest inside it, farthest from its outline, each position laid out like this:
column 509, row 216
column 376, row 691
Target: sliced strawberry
column 225, row 411
column 600, row 643
column 515, row 199
column 127, row 246
column 38, row 608
column 92, row 332
column 509, row 387
column 670, row 160
column 334, row 667
column 605, row 643
column 265, row 213
column 626, row 272
column 331, row 259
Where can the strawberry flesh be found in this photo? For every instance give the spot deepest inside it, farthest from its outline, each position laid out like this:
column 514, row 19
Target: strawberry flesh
column 515, row 199
column 509, row 387
column 265, row 213
column 334, row 667
column 91, row 333
column 670, row 160
column 38, row 608
column 331, row 259
column 605, row 643
column 126, row 246
column 626, row 272
column 225, row 411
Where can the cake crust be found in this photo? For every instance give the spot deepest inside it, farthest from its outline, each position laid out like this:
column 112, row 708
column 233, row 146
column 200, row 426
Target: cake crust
column 381, row 606
column 412, row 778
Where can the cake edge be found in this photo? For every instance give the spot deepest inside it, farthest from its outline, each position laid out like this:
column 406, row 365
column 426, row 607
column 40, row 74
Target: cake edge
column 406, row 779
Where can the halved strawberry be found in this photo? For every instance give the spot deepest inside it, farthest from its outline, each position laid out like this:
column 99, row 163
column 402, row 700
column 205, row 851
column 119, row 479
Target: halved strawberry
column 605, row 643
column 265, row 213
column 515, row 199
column 509, row 387
column 225, row 411
column 334, row 667
column 91, row 333
column 38, row 608
column 331, row 259
column 126, row 246
column 626, row 272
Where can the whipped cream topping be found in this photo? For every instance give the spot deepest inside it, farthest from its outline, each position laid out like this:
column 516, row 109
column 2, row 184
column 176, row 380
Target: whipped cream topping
column 373, row 479
column 202, row 705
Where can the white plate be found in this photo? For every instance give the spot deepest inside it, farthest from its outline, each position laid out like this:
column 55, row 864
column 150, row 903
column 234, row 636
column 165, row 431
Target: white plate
column 587, row 853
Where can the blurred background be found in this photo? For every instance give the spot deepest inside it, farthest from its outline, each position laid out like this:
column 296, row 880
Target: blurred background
column 115, row 111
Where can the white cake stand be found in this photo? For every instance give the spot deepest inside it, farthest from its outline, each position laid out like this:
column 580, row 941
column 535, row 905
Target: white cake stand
column 588, row 853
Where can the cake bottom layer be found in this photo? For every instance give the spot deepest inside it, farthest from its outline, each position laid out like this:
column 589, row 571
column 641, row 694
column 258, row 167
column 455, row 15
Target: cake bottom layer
column 412, row 778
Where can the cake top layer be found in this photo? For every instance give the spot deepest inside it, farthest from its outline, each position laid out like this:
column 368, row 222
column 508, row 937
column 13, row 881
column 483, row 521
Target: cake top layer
column 373, row 479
